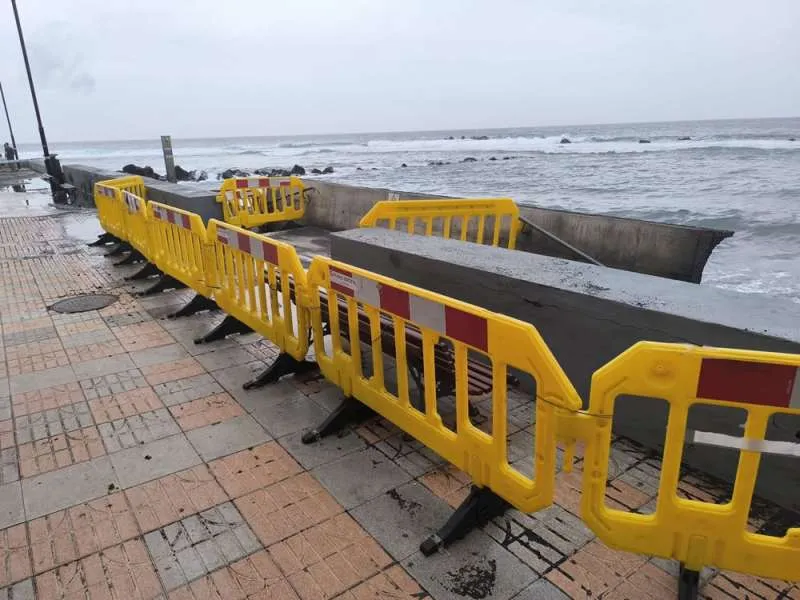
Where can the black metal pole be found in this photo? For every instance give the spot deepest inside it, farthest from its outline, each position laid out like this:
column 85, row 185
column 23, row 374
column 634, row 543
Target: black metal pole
column 8, row 120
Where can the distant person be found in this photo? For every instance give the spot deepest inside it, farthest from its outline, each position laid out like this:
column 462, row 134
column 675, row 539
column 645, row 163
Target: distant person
column 9, row 151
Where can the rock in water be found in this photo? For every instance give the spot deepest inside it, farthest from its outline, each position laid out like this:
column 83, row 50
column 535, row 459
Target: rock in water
column 146, row 171
column 470, row 159
column 327, row 170
column 684, row 138
column 234, row 172
column 644, row 141
column 493, row 158
column 404, row 165
column 565, row 140
column 316, row 172
column 297, row 170
column 182, row 174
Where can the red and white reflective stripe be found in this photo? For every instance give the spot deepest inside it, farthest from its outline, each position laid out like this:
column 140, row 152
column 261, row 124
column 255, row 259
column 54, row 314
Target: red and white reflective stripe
column 132, row 202
column 280, row 182
column 255, row 247
column 749, row 382
column 162, row 214
column 447, row 320
column 106, row 191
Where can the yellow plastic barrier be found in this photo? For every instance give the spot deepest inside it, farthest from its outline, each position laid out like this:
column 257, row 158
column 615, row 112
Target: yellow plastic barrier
column 180, row 247
column 694, row 532
column 257, row 279
column 490, row 221
column 109, row 202
column 137, row 224
column 502, row 341
column 255, row 201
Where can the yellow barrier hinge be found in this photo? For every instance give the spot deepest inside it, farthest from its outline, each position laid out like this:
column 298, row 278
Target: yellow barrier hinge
column 570, row 428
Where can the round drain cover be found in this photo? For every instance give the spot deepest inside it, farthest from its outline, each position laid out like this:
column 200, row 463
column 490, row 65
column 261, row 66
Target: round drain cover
column 83, row 303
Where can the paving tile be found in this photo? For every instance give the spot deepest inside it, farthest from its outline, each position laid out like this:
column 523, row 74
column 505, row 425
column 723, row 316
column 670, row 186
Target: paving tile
column 403, row 518
column 37, row 363
column 254, row 468
column 137, row 430
column 376, row 475
column 323, row 451
column 81, row 334
column 233, row 378
column 474, row 567
column 171, row 498
column 124, row 404
column 721, row 586
column 282, row 410
column 199, row 544
column 413, row 456
column 133, row 317
column 9, row 465
column 286, row 508
column 67, row 535
column 140, row 336
column 66, row 487
column 151, row 461
column 185, row 390
column 651, row 583
column 5, row 407
column 32, row 348
column 16, row 556
column 43, row 379
column 330, row 558
column 60, row 451
column 122, row 571
column 233, row 435
column 393, row 583
column 222, row 358
column 53, row 422
column 206, row 411
column 114, row 383
column 29, row 335
column 103, row 366
column 154, row 356
column 253, row 578
column 542, row 589
column 172, row 371
column 46, row 398
column 11, row 507
column 22, row 590
column 449, row 483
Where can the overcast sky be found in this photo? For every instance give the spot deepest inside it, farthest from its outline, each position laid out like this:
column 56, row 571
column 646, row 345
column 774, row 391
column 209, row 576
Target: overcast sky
column 125, row 69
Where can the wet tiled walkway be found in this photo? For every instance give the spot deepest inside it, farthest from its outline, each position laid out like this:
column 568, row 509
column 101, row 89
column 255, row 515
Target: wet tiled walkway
column 133, row 465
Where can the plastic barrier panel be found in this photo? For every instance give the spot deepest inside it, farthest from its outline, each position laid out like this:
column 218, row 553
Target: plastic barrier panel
column 255, row 201
column 762, row 386
column 179, row 246
column 257, row 280
column 488, row 221
column 398, row 312
column 137, row 224
column 110, row 207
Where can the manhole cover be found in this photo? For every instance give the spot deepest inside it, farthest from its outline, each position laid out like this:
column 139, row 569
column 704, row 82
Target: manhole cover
column 84, row 302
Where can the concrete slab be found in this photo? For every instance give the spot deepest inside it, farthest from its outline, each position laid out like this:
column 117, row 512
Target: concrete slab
column 227, row 437
column 5, row 405
column 153, row 356
column 222, row 358
column 151, row 461
column 541, row 590
column 323, row 451
column 28, row 382
column 103, row 366
column 376, row 475
column 281, row 415
column 308, row 241
column 22, row 590
column 65, row 487
column 12, row 510
column 191, row 388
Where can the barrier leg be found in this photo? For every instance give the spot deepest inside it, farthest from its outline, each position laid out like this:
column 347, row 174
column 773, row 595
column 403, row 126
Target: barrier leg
column 195, row 305
column 165, row 282
column 102, row 240
column 134, row 257
column 118, row 249
column 478, row 508
column 688, row 584
column 228, row 326
column 349, row 410
column 285, row 364
column 146, row 271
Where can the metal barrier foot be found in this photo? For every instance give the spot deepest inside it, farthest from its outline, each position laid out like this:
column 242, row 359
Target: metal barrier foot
column 228, row 326
column 688, row 584
column 285, row 364
column 102, row 240
column 118, row 249
column 134, row 257
column 195, row 305
column 476, row 510
column 164, row 283
column 146, row 271
column 349, row 411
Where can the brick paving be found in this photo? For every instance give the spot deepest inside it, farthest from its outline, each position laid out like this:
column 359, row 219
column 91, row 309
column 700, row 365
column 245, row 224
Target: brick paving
column 134, row 465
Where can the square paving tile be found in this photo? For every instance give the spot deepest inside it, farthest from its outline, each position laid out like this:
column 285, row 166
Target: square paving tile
column 151, row 461
column 114, row 383
column 60, row 451
column 46, row 399
column 95, row 351
column 122, row 571
column 224, row 357
column 541, row 589
column 9, row 466
column 254, row 468
column 99, row 367
column 43, row 379
column 5, row 407
column 393, row 583
column 15, row 551
column 161, row 354
column 37, row 363
column 376, row 475
column 281, row 414
column 53, row 422
column 138, row 429
column 140, row 336
column 221, row 439
column 449, row 483
column 199, row 544
column 124, row 404
column 286, row 508
column 206, row 411
column 81, row 530
column 74, row 335
column 185, row 390
column 19, row 591
column 174, row 497
column 322, row 451
column 172, row 371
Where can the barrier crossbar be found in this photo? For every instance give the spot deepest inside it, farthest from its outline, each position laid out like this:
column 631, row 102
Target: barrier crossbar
column 501, row 341
column 257, row 278
column 109, row 202
column 137, row 224
column 255, row 201
column 490, row 221
column 765, row 385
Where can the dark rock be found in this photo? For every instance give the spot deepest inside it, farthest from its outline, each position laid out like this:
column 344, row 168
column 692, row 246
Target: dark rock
column 792, row 139
column 267, row 172
column 644, row 141
column 508, row 157
column 234, row 172
column 450, row 137
column 565, row 140
column 404, row 165
column 327, row 170
column 201, row 176
column 463, row 138
column 480, row 137
column 437, row 163
column 146, row 171
column 297, row 170
column 359, row 169
column 470, row 159
column 182, row 174
column 316, row 172
column 493, row 158
column 684, row 138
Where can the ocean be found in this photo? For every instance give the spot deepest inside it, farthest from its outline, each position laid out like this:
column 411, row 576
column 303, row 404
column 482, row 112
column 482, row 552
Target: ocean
column 742, row 175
